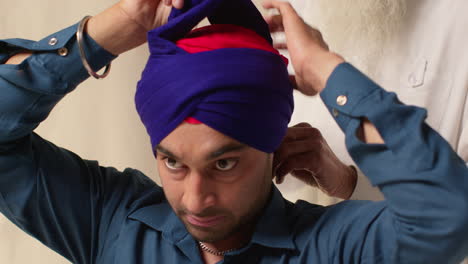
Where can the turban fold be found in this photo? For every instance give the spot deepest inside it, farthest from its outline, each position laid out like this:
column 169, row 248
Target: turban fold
column 227, row 75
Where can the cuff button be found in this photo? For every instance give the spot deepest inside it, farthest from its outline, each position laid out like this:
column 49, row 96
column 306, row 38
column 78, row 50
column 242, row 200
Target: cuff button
column 335, row 112
column 53, row 41
column 62, row 52
column 341, row 100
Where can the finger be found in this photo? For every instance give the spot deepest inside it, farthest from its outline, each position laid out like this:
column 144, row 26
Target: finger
column 168, row 2
column 292, row 79
column 280, row 45
column 275, row 23
column 286, row 10
column 281, row 6
column 301, row 162
column 301, row 132
column 305, row 176
column 267, row 4
column 299, row 139
column 302, row 124
column 293, row 148
column 279, row 179
column 179, row 4
column 297, row 147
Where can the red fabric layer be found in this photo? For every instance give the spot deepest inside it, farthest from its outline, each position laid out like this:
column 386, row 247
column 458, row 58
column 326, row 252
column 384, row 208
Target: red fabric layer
column 220, row 36
column 192, row 120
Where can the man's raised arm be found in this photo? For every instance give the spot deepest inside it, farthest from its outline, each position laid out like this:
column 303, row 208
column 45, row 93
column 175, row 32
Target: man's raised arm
column 47, row 191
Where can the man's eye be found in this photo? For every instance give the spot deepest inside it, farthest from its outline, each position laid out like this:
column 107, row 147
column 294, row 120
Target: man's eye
column 173, row 164
column 225, row 164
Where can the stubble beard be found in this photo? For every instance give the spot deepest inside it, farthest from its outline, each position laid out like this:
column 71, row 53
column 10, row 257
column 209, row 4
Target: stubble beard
column 230, row 227
column 245, row 224
column 210, row 235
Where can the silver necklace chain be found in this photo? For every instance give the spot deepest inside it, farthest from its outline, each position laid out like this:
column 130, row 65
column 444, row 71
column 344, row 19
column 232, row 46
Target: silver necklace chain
column 213, row 251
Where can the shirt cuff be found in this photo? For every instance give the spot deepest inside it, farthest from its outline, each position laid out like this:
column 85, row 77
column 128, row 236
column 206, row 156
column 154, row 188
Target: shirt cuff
column 58, row 54
column 350, row 94
column 344, row 93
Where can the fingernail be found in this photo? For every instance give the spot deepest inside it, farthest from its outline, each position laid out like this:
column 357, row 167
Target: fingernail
column 179, row 3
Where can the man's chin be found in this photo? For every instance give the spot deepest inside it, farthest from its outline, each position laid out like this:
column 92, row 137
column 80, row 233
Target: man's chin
column 208, row 235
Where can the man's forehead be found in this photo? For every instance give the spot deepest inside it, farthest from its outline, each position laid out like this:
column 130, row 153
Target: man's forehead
column 198, row 139
column 189, row 133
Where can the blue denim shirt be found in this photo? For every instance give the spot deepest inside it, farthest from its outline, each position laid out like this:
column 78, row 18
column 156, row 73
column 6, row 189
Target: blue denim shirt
column 94, row 214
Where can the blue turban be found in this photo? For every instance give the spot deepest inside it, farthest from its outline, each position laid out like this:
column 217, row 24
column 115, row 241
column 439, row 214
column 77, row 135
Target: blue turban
column 242, row 92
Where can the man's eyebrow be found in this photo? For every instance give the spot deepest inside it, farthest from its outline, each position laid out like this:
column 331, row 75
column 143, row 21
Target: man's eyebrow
column 225, row 149
column 166, row 152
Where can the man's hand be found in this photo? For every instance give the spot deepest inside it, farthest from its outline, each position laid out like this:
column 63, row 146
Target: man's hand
column 149, row 14
column 124, row 26
column 310, row 57
column 306, row 155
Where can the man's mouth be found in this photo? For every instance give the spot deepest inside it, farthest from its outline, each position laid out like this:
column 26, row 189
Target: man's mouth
column 210, row 221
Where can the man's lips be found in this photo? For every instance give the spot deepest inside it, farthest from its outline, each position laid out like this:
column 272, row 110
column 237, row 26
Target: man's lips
column 205, row 221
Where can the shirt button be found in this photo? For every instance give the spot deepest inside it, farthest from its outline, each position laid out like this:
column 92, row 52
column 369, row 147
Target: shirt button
column 335, row 112
column 53, row 41
column 341, row 100
column 62, row 52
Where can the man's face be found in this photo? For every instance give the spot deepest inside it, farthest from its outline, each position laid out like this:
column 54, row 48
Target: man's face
column 216, row 185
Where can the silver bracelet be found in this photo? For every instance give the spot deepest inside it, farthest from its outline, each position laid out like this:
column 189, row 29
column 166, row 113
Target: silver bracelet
column 79, row 39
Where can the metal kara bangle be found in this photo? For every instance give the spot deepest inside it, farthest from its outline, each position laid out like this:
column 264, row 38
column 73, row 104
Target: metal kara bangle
column 79, row 39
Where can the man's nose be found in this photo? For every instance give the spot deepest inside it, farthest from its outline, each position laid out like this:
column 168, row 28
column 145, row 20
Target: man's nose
column 199, row 194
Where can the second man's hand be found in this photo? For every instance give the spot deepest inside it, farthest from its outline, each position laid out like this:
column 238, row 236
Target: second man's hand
column 310, row 57
column 124, row 26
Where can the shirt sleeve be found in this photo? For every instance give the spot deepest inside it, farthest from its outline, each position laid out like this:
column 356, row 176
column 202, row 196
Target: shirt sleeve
column 463, row 143
column 31, row 89
column 424, row 182
column 69, row 204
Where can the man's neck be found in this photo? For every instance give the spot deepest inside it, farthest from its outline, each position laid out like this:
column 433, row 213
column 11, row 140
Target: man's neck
column 236, row 241
column 210, row 258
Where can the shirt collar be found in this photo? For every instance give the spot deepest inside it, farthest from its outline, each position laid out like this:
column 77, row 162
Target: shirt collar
column 161, row 217
column 272, row 230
